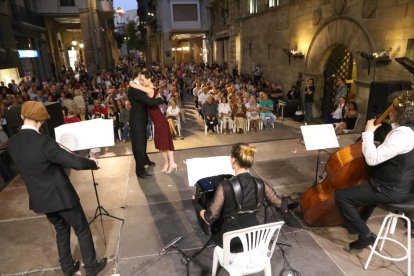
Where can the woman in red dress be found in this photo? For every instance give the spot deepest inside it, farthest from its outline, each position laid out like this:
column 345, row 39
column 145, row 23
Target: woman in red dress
column 162, row 134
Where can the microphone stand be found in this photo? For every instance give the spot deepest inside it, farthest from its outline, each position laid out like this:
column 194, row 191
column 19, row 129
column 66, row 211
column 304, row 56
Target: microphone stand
column 187, row 258
column 100, row 210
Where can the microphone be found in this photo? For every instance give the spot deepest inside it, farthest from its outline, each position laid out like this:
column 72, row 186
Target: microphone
column 172, row 243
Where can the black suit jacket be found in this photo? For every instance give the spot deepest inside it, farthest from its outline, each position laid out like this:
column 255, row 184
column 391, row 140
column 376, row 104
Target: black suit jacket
column 139, row 103
column 41, row 162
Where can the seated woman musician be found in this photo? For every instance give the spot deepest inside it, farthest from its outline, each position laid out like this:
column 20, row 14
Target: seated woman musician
column 237, row 200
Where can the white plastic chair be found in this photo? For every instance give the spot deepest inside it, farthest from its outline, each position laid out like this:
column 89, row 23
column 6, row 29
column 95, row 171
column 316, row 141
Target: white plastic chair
column 256, row 253
column 177, row 124
column 231, row 126
column 246, row 126
column 267, row 120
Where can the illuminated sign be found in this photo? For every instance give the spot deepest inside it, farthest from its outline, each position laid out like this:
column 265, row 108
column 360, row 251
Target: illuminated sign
column 28, row 54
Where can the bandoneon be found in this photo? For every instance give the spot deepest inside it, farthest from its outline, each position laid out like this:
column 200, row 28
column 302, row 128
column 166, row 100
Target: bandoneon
column 205, row 189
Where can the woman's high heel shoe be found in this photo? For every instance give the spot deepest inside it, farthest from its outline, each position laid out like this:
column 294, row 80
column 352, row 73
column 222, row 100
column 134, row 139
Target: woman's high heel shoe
column 173, row 168
column 164, row 169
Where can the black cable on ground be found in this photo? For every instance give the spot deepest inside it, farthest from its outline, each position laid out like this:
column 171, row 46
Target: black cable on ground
column 287, row 268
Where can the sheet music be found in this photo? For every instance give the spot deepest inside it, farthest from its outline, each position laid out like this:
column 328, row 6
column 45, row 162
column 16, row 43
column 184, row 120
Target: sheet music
column 86, row 134
column 319, row 137
column 198, row 168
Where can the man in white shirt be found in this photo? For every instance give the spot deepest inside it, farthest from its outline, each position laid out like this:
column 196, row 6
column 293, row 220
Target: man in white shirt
column 392, row 172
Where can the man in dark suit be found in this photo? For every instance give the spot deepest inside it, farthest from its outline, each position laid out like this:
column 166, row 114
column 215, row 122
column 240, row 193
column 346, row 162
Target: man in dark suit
column 41, row 162
column 137, row 123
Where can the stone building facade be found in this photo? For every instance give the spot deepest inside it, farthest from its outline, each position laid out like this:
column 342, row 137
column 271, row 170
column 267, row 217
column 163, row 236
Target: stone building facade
column 336, row 37
column 175, row 30
column 90, row 23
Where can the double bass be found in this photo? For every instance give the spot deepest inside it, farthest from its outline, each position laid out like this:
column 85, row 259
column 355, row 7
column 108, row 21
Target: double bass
column 344, row 168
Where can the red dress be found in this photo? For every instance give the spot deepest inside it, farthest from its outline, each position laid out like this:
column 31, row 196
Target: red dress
column 162, row 134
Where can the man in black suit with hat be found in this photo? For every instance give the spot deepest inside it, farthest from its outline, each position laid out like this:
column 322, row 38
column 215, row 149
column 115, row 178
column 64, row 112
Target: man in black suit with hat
column 41, row 162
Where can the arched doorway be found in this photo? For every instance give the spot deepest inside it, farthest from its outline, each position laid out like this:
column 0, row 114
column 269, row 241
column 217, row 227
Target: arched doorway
column 338, row 65
column 349, row 33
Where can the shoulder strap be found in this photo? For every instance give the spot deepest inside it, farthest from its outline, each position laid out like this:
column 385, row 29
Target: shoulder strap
column 235, row 183
column 238, row 195
column 259, row 191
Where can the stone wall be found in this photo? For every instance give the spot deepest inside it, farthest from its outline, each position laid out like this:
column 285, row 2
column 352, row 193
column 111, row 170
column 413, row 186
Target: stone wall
column 315, row 27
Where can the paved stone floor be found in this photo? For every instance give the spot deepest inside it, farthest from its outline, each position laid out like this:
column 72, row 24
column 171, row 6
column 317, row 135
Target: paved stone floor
column 157, row 210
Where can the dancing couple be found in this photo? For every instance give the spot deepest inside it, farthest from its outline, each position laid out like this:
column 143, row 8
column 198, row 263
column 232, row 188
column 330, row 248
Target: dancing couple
column 142, row 94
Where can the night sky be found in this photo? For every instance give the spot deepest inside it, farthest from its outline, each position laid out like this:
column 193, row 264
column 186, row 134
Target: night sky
column 125, row 4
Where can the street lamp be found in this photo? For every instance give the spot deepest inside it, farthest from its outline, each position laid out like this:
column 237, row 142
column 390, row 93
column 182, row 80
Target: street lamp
column 119, row 11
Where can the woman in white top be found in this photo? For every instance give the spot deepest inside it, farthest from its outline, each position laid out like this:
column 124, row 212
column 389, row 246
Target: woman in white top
column 253, row 112
column 173, row 113
column 224, row 110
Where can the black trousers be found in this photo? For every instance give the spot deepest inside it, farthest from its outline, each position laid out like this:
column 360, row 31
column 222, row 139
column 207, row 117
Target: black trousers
column 63, row 221
column 211, row 122
column 139, row 149
column 365, row 195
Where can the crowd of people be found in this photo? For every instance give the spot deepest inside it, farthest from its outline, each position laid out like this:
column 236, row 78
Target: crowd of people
column 136, row 99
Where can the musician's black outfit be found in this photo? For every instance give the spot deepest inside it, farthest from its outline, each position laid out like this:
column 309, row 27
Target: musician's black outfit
column 225, row 206
column 391, row 181
column 41, row 162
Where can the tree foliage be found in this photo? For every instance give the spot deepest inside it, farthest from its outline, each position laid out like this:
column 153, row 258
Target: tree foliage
column 133, row 38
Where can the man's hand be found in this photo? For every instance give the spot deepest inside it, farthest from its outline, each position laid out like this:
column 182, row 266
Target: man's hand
column 96, row 161
column 370, row 127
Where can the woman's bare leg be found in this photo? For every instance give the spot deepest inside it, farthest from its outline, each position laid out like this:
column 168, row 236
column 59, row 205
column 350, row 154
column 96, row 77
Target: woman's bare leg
column 164, row 154
column 171, row 161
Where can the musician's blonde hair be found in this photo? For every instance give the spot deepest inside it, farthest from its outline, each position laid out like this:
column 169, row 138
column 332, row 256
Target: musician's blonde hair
column 244, row 154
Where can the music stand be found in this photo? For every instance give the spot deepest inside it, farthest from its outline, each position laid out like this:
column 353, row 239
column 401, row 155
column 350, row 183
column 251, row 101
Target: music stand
column 319, row 137
column 87, row 135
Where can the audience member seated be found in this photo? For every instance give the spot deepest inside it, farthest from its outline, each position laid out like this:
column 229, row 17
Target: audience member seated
column 266, row 108
column 293, row 93
column 124, row 120
column 173, row 116
column 98, row 108
column 350, row 117
column 253, row 116
column 276, row 94
column 112, row 114
column 210, row 113
column 69, row 116
column 337, row 115
column 202, row 98
column 83, row 115
column 224, row 110
column 238, row 112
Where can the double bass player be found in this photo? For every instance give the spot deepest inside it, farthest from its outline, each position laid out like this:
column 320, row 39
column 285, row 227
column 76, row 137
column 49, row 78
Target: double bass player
column 391, row 175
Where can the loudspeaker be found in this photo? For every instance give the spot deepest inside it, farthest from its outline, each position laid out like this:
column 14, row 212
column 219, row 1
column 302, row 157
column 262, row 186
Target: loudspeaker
column 13, row 119
column 378, row 95
column 56, row 119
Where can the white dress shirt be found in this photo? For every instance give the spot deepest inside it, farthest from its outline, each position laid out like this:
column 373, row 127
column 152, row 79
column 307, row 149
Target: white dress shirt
column 400, row 140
